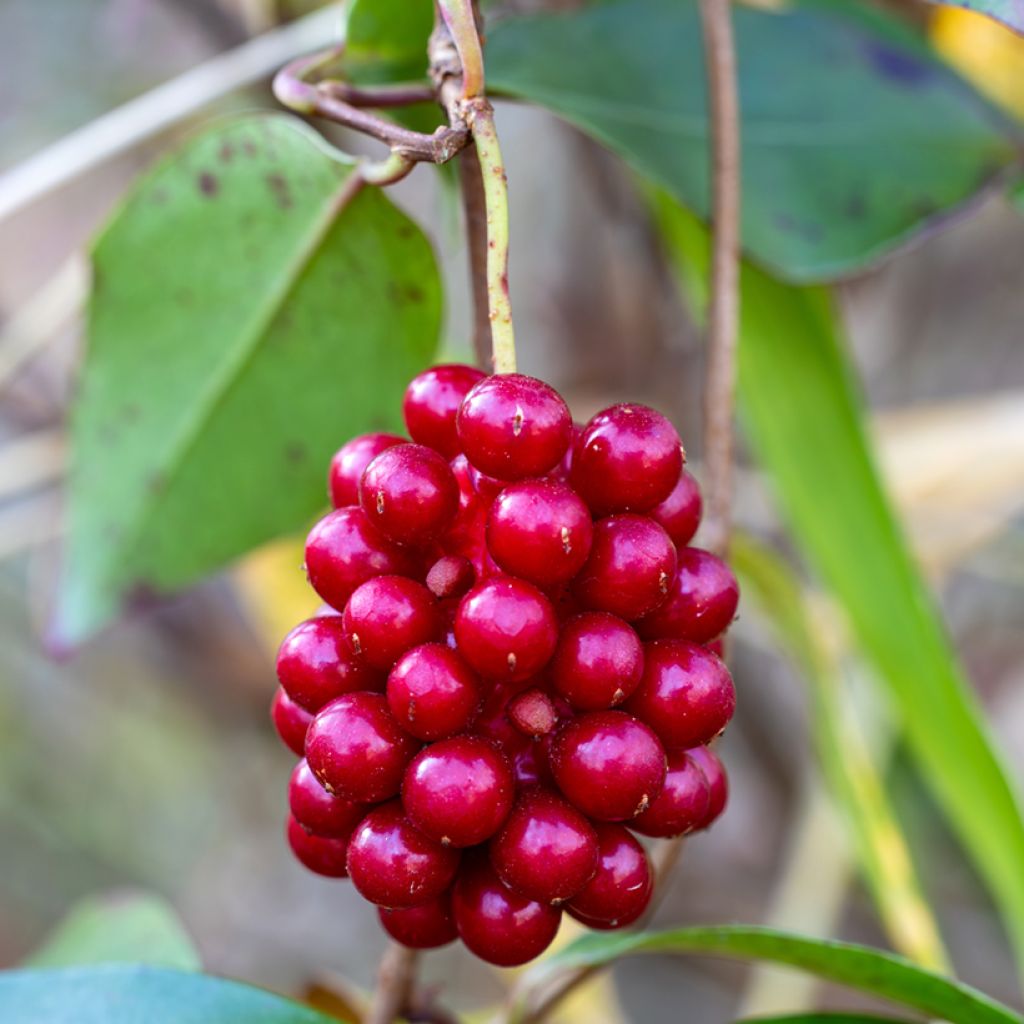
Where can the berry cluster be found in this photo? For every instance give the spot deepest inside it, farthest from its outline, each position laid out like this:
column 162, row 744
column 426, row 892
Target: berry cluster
column 517, row 669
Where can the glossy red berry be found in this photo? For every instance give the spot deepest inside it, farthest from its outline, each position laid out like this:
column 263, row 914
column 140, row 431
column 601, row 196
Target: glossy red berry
column 458, row 791
column 315, row 665
column 539, row 530
column 701, row 602
column 630, row 569
column 450, row 576
column 598, row 661
column 387, row 616
column 680, row 512
column 290, row 721
column 431, row 403
column 506, row 629
column 323, row 855
column 393, row 864
column 511, row 426
column 349, row 462
column 344, row 550
column 497, row 924
column 356, row 749
column 621, row 887
column 608, row 764
column 532, row 712
column 683, row 803
column 686, row 694
column 718, row 783
column 627, row 459
column 433, row 693
column 319, row 812
column 425, row 926
column 546, row 850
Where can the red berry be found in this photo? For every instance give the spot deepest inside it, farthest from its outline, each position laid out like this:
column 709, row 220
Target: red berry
column 506, row 628
column 356, row 749
column 718, row 783
column 608, row 764
column 532, row 712
column 680, row 512
column 683, row 803
column 314, row 664
column 497, row 924
column 630, row 569
column 511, row 426
column 627, row 458
column 546, row 850
column 387, row 616
column 344, row 550
column 458, row 791
column 290, row 721
column 686, row 694
column 540, row 531
column 716, row 647
column 598, row 661
column 621, row 888
column 316, row 810
column 433, row 693
column 349, row 462
column 425, row 926
column 321, row 854
column 450, row 576
column 393, row 864
column 431, row 403
column 701, row 603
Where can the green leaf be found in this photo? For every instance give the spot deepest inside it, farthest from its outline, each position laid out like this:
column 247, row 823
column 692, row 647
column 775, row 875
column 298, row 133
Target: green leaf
column 140, row 995
column 855, row 136
column 127, row 928
column 1008, row 12
column 860, row 967
column 804, row 418
column 392, row 32
column 824, row 1018
column 248, row 314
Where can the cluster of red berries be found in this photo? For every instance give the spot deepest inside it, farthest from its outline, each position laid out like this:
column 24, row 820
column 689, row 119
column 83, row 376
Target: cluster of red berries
column 524, row 669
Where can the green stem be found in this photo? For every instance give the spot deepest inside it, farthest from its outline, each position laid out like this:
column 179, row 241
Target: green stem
column 460, row 18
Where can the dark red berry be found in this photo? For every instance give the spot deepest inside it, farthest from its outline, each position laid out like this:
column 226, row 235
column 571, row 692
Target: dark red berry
column 387, row 616
column 506, row 628
column 431, row 402
column 290, row 721
column 511, row 426
column 686, row 694
column 356, row 749
column 393, row 864
column 497, row 924
column 627, row 459
column 349, row 462
column 701, row 603
column 608, row 764
column 630, row 569
column 546, row 850
column 716, row 647
column 683, row 803
column 344, row 550
column 458, row 791
column 315, row 665
column 433, row 693
column 532, row 712
column 425, row 926
column 621, row 887
column 540, row 531
column 718, row 783
column 680, row 512
column 450, row 576
column 321, row 854
column 319, row 812
column 598, row 661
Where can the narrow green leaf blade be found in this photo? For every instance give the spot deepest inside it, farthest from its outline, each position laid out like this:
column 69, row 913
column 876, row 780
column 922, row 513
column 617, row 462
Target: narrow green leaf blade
column 247, row 316
column 132, row 995
column 825, row 1018
column 128, row 928
column 855, row 136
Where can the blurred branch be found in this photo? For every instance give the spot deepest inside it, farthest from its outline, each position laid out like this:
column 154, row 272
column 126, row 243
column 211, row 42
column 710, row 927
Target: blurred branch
column 31, row 461
column 395, row 978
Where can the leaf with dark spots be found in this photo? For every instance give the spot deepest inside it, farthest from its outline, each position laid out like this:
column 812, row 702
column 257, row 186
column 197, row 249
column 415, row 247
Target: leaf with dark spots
column 280, row 190
column 208, row 183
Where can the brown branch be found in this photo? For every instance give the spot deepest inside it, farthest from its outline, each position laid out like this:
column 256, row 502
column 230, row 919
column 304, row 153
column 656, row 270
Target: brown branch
column 395, row 977
column 381, row 97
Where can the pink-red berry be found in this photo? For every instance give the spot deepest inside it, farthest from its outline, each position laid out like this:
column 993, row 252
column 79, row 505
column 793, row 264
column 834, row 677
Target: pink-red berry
column 425, row 926
column 433, row 693
column 532, row 712
column 598, row 661
column 387, row 616
column 318, row 811
column 718, row 783
column 349, row 462
column 621, row 887
column 290, row 720
column 683, row 803
column 680, row 512
column 450, row 576
column 431, row 403
column 321, row 854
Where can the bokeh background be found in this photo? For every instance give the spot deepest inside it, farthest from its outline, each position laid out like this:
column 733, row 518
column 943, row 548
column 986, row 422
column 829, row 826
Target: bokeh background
column 146, row 760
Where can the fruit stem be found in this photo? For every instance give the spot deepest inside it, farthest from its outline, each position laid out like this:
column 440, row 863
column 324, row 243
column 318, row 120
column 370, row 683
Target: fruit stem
column 394, row 984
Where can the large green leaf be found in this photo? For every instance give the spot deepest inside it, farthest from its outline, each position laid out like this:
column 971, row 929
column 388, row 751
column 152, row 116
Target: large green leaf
column 868, row 970
column 804, row 418
column 855, row 136
column 140, row 995
column 246, row 318
column 128, row 928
